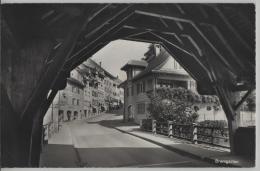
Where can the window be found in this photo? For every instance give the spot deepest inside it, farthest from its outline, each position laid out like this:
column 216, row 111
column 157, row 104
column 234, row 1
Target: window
column 75, row 115
column 140, row 87
column 150, row 84
column 143, row 86
column 77, row 101
column 60, row 112
column 94, row 94
column 141, row 108
column 60, row 117
column 127, row 92
column 69, row 115
column 73, row 101
column 132, row 91
column 129, row 74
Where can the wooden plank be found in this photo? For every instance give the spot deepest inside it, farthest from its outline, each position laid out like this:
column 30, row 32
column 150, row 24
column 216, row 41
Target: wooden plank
column 213, row 33
column 231, row 28
column 192, row 22
column 100, row 26
column 187, row 29
column 200, row 64
column 246, row 54
column 102, row 37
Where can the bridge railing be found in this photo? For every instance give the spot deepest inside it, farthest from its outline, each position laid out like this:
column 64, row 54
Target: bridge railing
column 213, row 135
column 193, row 132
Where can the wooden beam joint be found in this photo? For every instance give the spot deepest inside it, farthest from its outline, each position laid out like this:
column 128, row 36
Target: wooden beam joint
column 237, row 106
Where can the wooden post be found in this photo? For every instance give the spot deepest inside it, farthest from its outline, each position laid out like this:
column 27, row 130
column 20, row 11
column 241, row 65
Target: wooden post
column 13, row 153
column 35, row 147
column 170, row 131
column 36, row 137
column 228, row 101
column 154, row 127
column 195, row 133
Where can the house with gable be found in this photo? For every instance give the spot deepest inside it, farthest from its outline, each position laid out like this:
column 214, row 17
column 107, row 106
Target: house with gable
column 157, row 69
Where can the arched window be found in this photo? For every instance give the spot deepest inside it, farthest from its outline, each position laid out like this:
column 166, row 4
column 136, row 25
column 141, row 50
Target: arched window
column 69, row 115
column 60, row 116
column 75, row 115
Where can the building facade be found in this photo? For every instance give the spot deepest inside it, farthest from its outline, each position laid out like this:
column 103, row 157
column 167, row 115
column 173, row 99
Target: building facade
column 157, row 69
column 68, row 104
column 119, row 93
column 109, row 90
column 84, row 95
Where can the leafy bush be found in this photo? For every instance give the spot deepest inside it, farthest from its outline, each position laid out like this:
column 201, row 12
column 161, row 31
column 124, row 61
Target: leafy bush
column 251, row 102
column 176, row 104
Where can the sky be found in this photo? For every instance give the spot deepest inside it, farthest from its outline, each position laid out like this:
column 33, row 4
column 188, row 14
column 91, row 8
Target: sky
column 117, row 53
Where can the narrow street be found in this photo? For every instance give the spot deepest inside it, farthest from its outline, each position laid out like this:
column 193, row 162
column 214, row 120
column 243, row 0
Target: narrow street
column 94, row 143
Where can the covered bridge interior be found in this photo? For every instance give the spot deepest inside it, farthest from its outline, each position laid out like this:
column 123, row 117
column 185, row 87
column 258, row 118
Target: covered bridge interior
column 42, row 43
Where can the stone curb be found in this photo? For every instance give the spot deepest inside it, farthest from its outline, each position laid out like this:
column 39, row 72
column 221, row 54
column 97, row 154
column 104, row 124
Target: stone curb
column 182, row 152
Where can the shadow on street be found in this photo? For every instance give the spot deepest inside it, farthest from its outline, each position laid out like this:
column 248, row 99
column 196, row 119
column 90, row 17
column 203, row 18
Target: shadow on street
column 59, row 155
column 112, row 157
column 114, row 123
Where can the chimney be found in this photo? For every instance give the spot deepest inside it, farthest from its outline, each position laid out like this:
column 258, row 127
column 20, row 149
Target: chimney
column 100, row 64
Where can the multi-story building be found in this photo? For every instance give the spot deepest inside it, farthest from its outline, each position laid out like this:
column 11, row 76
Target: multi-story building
column 94, row 77
column 68, row 104
column 114, row 95
column 86, row 74
column 108, row 83
column 118, row 93
column 85, row 95
column 104, row 87
column 157, row 69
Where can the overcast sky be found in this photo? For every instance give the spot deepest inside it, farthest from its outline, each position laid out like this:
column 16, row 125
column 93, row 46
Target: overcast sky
column 117, row 53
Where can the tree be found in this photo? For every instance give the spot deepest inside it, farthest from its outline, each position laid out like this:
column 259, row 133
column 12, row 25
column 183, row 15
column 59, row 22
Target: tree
column 251, row 102
column 177, row 104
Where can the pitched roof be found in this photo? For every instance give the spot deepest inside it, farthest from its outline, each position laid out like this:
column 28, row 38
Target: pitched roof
column 177, row 72
column 138, row 63
column 92, row 64
column 154, row 66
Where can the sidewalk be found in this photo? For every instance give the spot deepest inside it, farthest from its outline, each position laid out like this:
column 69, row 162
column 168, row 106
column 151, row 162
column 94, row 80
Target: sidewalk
column 59, row 152
column 215, row 155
